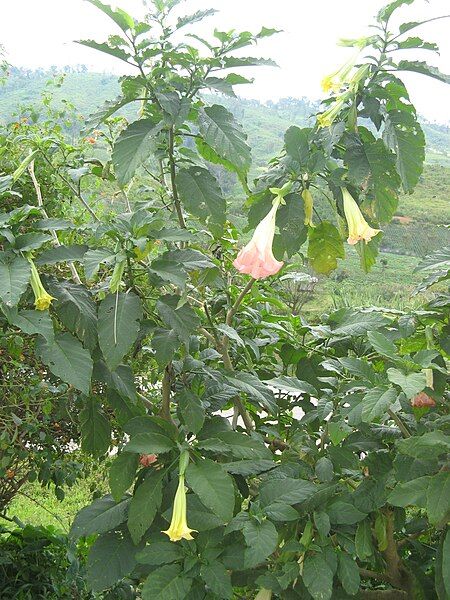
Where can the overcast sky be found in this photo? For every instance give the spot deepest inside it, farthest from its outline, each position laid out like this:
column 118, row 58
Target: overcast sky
column 40, row 33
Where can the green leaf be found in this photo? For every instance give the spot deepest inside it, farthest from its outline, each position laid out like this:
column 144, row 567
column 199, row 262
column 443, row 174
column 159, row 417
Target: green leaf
column 183, row 320
column 292, row 385
column 352, row 322
column 446, row 562
column 99, row 517
column 93, row 259
column 191, row 410
column 281, row 512
column 110, row 559
column 31, row 241
column 255, row 389
column 324, row 469
column 291, row 223
column 368, row 252
column 261, row 539
column 62, row 254
column 199, row 517
column 410, row 493
column 118, row 326
column 106, row 49
column 226, row 137
column 176, row 109
column 119, row 16
column 95, row 429
column 201, row 194
column 427, row 446
column 166, row 583
column 411, row 384
column 122, row 473
column 164, row 343
column 363, row 540
column 385, row 13
column 423, row 68
column 404, row 135
column 376, row 402
column 292, row 491
column 77, row 310
column 213, row 486
column 67, row 359
column 348, row 573
column 371, row 165
column 160, row 553
column 149, row 443
column 296, row 141
column 325, row 247
column 344, row 513
column 14, row 276
column 249, row 467
column 243, row 446
column 438, row 498
column 133, row 147
column 168, row 270
column 31, row 322
column 381, row 344
column 217, row 579
column 145, row 504
column 322, row 523
column 318, row 577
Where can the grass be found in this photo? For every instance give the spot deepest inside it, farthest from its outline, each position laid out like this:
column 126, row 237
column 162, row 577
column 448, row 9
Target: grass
column 39, row 506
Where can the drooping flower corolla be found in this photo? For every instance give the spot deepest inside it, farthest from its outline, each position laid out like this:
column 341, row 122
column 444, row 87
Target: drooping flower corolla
column 358, row 228
column 335, row 81
column 179, row 528
column 42, row 299
column 256, row 258
column 264, row 594
column 309, row 205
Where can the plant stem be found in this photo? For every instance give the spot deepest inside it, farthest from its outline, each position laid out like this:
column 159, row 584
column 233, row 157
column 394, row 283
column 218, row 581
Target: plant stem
column 400, row 423
column 238, row 302
column 176, row 199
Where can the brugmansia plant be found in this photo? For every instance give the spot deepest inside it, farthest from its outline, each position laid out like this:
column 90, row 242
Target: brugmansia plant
column 259, row 456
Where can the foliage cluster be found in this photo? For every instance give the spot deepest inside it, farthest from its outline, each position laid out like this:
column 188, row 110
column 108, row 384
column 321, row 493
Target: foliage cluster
column 257, row 453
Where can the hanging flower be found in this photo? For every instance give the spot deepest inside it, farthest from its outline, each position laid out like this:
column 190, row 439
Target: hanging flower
column 147, row 459
column 42, row 299
column 335, row 81
column 327, row 118
column 256, row 258
column 309, row 204
column 422, row 400
column 358, row 228
column 178, row 526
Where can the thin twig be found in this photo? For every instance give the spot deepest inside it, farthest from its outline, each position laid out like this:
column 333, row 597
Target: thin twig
column 40, row 202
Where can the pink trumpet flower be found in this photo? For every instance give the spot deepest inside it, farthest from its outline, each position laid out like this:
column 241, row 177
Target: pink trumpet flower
column 256, row 258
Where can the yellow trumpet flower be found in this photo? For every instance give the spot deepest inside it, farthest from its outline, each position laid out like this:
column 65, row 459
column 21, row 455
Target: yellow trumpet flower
column 358, row 228
column 335, row 81
column 327, row 118
column 42, row 299
column 178, row 526
column 309, row 204
column 264, row 594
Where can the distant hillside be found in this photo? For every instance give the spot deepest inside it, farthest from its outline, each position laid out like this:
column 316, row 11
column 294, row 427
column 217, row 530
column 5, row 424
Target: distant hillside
column 265, row 123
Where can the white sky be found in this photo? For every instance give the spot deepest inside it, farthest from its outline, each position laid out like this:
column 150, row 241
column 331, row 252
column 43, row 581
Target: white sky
column 40, row 33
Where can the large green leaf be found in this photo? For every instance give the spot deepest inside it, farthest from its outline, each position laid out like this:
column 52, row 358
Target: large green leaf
column 119, row 16
column 261, row 539
column 166, row 583
column 110, row 559
column 371, row 164
column 95, row 428
column 325, row 247
column 99, row 517
column 427, row 446
column 411, row 383
column 348, row 573
column 160, row 553
column 121, row 474
column 133, row 147
column 350, row 321
column 106, row 49
column 292, row 491
column 191, row 409
column 438, row 498
column 410, row 493
column 385, row 13
column 296, row 141
column 318, row 577
column 118, row 326
column 145, row 504
column 363, row 540
column 226, row 137
column 77, row 310
column 376, row 402
column 31, row 322
column 218, row 579
column 62, row 254
column 164, row 343
column 417, row 66
column 201, row 194
column 213, row 486
column 291, row 223
column 183, row 320
column 14, row 276
column 404, row 135
column 149, row 443
column 254, row 388
column 67, row 359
